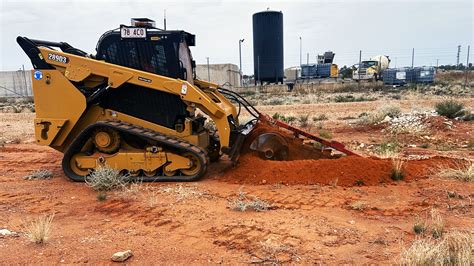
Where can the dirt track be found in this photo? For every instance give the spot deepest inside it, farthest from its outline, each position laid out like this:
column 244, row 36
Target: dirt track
column 192, row 223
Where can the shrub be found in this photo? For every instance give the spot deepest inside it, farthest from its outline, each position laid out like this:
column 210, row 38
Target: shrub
column 420, row 226
column 397, row 173
column 454, row 249
column 320, row 117
column 39, row 229
column 358, row 205
column 450, row 108
column 388, row 149
column 303, row 120
column 463, row 172
column 325, row 134
column 389, row 110
column 39, row 174
column 104, row 178
column 101, row 196
column 437, row 224
column 243, row 203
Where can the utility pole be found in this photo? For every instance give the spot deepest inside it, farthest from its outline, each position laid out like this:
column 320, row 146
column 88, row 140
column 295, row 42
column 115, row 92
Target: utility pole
column 164, row 20
column 307, row 58
column 301, row 47
column 208, row 70
column 467, row 65
column 24, row 77
column 360, row 63
column 459, row 53
column 240, row 60
column 412, row 57
column 437, row 61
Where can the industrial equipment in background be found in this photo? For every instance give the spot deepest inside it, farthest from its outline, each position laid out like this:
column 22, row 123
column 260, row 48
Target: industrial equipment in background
column 326, row 58
column 372, row 69
column 407, row 75
column 318, row 71
column 268, row 47
column 137, row 106
column 323, row 69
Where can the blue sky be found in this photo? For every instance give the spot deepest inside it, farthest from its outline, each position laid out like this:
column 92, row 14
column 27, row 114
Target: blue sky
column 433, row 28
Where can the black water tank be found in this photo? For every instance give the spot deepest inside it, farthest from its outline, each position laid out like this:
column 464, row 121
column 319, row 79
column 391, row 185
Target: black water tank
column 268, row 46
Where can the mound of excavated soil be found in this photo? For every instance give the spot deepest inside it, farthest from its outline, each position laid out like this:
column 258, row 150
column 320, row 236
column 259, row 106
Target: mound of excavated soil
column 345, row 171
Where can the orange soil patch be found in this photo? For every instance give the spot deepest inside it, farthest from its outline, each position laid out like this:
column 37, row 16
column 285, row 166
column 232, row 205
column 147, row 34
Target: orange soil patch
column 346, row 171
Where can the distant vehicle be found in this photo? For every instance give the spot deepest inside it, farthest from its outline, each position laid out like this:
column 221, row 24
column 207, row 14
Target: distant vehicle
column 371, row 69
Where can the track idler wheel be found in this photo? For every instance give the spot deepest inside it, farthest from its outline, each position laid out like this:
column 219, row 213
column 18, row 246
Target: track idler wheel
column 106, row 140
column 195, row 166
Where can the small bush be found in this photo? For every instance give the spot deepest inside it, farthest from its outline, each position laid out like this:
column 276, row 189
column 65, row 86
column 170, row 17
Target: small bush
column 39, row 229
column 101, row 196
column 321, row 117
column 39, row 174
column 325, row 134
column 350, row 98
column 243, row 203
column 437, row 223
column 303, row 120
column 388, row 149
column 425, row 146
column 104, row 178
column 420, row 226
column 463, row 172
column 389, row 110
column 454, row 249
column 358, row 205
column 450, row 108
column 397, row 173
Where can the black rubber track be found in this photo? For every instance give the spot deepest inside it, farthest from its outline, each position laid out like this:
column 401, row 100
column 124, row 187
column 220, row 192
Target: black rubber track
column 172, row 144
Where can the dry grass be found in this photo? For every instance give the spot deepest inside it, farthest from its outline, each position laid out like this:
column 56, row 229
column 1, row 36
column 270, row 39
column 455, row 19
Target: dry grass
column 105, row 178
column 39, row 174
column 39, row 229
column 453, row 249
column 244, row 203
column 437, row 223
column 269, row 252
column 463, row 172
column 397, row 173
column 358, row 205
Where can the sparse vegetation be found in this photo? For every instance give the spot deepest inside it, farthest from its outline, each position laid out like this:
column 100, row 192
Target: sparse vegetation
column 243, row 203
column 437, row 223
column 424, row 146
column 286, row 119
column 273, row 253
column 358, row 205
column 420, row 226
column 463, row 172
column 320, row 117
column 389, row 110
column 325, row 134
column 450, row 109
column 39, row 174
column 350, row 98
column 105, row 178
column 388, row 149
column 453, row 249
column 101, row 196
column 39, row 229
column 303, row 120
column 397, row 173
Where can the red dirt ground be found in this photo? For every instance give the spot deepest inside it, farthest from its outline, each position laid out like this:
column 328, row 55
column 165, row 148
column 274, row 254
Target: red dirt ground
column 345, row 171
column 191, row 223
